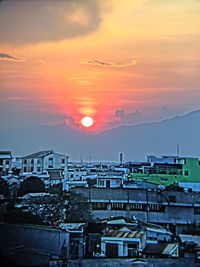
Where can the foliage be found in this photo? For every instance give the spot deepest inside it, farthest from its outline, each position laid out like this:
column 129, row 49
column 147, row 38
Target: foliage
column 77, row 208
column 15, row 215
column 3, row 187
column 32, row 184
column 16, row 171
column 50, row 209
column 55, row 189
column 91, row 182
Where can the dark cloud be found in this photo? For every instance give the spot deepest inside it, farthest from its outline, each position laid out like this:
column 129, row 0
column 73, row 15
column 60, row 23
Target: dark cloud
column 96, row 62
column 130, row 118
column 33, row 21
column 4, row 56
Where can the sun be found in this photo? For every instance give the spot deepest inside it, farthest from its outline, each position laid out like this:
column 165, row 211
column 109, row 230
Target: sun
column 87, row 121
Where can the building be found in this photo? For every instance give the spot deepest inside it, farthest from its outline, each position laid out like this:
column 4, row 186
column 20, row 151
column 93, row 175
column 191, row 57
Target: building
column 44, row 160
column 5, row 162
column 162, row 250
column 33, row 245
column 168, row 170
column 110, row 179
column 173, row 209
column 76, row 238
column 122, row 243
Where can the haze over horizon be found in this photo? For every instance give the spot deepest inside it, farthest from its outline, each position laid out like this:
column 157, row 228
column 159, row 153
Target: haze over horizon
column 120, row 62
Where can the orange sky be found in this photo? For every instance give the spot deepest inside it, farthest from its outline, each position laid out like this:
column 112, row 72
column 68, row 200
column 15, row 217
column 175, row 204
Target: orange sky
column 121, row 62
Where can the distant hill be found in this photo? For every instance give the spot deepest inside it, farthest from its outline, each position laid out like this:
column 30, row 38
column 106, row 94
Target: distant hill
column 159, row 138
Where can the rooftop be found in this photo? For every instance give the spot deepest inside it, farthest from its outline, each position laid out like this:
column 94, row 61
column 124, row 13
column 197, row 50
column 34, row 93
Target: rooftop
column 120, row 234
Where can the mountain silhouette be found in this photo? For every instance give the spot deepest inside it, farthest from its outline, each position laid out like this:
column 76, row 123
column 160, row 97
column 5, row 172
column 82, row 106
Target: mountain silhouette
column 135, row 142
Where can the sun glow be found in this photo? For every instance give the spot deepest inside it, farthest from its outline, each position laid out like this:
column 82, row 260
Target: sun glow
column 87, row 121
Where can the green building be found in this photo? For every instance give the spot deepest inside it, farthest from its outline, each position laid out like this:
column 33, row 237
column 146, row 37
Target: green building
column 167, row 173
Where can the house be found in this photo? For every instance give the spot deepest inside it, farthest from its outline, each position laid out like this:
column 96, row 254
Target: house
column 44, row 160
column 76, row 238
column 110, row 179
column 154, row 232
column 157, row 233
column 190, row 246
column 122, row 243
column 162, row 250
column 5, row 162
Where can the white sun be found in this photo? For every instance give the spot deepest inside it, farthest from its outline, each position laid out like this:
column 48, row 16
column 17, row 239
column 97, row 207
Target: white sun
column 87, row 121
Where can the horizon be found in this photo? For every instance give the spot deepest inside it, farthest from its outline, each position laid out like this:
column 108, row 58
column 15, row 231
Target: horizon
column 110, row 61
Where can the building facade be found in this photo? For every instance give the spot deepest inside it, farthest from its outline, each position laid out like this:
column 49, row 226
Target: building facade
column 5, row 161
column 44, row 160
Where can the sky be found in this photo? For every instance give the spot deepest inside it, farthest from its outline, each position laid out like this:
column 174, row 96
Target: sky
column 120, row 62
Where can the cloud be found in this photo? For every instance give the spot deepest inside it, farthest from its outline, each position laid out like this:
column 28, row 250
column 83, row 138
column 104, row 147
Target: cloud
column 23, row 22
column 8, row 57
column 97, row 62
column 129, row 118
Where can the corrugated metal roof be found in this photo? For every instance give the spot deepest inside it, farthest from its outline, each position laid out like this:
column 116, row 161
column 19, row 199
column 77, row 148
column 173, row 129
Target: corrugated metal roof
column 71, row 226
column 190, row 238
column 169, row 249
column 40, row 154
column 120, row 234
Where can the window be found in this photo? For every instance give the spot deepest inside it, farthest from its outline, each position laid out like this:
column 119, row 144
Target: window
column 164, row 179
column 99, row 206
column 172, row 199
column 32, row 161
column 136, row 206
column 25, row 169
column 101, row 183
column 156, row 208
column 197, row 210
column 25, row 161
column 31, row 169
column 50, row 159
column 186, row 173
column 63, row 161
column 71, row 175
column 38, row 169
column 7, row 162
column 118, row 206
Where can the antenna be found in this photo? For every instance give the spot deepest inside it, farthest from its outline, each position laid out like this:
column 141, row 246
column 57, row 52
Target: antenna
column 178, row 150
column 121, row 158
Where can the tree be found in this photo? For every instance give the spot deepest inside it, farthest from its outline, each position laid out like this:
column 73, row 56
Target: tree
column 32, row 184
column 55, row 189
column 3, row 187
column 15, row 215
column 77, row 208
column 91, row 182
column 16, row 171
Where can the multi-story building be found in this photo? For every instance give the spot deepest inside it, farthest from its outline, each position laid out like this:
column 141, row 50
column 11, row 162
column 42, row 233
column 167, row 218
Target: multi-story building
column 44, row 160
column 5, row 161
column 168, row 170
column 176, row 210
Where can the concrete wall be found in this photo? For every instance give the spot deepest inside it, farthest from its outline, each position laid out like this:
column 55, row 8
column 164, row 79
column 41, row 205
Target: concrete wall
column 44, row 239
column 180, row 211
column 130, row 262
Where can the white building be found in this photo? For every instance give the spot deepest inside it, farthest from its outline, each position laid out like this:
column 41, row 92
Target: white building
column 110, row 180
column 5, row 161
column 122, row 243
column 44, row 160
